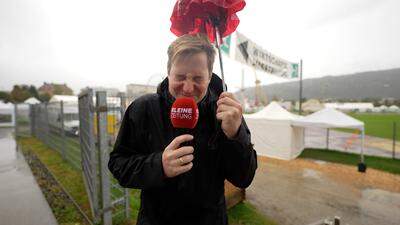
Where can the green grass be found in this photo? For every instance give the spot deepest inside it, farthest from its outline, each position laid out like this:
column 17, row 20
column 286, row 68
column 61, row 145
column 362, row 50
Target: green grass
column 379, row 163
column 379, row 125
column 71, row 179
column 245, row 214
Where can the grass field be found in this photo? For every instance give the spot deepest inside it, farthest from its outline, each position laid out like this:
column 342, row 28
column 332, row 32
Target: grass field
column 379, row 125
column 71, row 179
column 379, row 163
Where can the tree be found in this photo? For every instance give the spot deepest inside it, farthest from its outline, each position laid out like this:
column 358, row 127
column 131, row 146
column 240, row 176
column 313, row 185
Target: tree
column 45, row 97
column 20, row 93
column 62, row 89
column 5, row 96
column 33, row 91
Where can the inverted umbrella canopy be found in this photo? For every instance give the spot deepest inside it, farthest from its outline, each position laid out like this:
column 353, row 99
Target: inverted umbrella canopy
column 203, row 16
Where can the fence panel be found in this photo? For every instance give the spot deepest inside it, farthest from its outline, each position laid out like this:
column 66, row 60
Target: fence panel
column 88, row 151
column 119, row 196
column 22, row 120
column 79, row 132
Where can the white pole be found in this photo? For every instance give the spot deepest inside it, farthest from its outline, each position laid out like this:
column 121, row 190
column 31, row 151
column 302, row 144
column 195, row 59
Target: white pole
column 301, row 85
column 327, row 138
column 362, row 144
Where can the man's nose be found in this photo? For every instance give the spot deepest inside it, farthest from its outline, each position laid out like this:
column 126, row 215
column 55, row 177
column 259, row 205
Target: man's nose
column 188, row 87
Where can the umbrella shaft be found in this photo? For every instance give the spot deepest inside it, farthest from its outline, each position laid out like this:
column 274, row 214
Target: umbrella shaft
column 217, row 37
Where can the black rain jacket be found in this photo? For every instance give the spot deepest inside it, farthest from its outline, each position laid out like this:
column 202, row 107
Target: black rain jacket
column 195, row 197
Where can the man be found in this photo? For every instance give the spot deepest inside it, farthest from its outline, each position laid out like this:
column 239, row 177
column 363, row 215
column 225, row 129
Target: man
column 184, row 184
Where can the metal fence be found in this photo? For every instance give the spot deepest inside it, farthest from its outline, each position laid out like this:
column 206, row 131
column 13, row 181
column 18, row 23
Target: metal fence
column 83, row 133
column 22, row 119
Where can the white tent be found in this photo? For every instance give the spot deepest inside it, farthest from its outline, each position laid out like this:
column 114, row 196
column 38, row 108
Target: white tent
column 331, row 118
column 31, row 101
column 64, row 98
column 394, row 108
column 272, row 133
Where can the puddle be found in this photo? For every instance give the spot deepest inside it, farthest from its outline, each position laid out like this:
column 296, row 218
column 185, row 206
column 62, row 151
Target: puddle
column 309, row 173
column 320, row 162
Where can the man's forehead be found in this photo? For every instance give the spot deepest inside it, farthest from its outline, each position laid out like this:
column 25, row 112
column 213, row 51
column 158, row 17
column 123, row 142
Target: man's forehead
column 192, row 59
column 185, row 67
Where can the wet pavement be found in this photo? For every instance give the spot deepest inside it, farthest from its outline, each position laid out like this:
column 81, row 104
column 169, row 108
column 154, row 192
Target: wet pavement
column 21, row 200
column 300, row 196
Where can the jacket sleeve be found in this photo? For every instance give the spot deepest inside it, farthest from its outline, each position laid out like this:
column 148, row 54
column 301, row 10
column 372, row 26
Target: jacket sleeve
column 239, row 158
column 130, row 162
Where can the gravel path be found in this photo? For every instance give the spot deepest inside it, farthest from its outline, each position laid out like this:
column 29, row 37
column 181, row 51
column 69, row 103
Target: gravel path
column 302, row 191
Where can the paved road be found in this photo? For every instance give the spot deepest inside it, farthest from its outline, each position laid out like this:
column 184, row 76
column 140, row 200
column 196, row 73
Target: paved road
column 21, row 200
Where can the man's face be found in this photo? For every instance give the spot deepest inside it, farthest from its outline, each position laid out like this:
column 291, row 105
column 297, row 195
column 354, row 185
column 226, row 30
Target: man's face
column 189, row 77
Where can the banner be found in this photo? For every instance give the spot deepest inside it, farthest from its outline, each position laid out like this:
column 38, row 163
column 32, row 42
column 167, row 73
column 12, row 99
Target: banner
column 249, row 53
column 226, row 45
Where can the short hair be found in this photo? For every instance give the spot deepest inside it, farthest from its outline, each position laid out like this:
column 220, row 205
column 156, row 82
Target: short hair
column 190, row 44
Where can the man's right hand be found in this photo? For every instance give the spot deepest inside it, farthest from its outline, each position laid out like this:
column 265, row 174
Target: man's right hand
column 177, row 160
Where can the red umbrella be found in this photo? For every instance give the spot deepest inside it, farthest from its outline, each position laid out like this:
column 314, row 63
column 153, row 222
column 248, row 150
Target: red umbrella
column 203, row 16
column 216, row 18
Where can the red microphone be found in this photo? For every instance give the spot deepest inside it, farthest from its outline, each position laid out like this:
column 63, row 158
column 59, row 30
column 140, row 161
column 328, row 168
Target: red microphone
column 184, row 113
column 184, row 116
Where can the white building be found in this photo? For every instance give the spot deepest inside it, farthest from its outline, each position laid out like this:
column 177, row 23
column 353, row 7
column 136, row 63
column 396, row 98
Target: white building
column 286, row 105
column 351, row 106
column 134, row 91
column 311, row 105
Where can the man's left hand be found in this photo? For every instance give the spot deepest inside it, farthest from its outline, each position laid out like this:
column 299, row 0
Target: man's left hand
column 229, row 111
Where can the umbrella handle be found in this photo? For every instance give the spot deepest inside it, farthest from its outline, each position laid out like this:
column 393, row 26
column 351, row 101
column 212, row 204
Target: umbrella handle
column 216, row 32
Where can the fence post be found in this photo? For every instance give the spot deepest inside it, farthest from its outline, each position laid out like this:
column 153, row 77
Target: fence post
column 47, row 125
column 327, row 138
column 89, row 156
column 101, row 105
column 394, row 140
column 32, row 119
column 16, row 120
column 126, row 190
column 63, row 142
column 41, row 125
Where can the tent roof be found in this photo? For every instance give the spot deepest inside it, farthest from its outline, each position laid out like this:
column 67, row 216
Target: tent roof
column 32, row 100
column 329, row 118
column 273, row 111
column 64, row 98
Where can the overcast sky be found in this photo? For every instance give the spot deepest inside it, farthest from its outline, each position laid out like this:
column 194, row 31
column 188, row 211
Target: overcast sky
column 113, row 43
